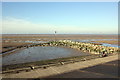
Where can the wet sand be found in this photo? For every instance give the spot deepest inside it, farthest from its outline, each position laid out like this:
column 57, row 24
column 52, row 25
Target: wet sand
column 8, row 45
column 58, row 36
column 13, row 40
column 108, row 41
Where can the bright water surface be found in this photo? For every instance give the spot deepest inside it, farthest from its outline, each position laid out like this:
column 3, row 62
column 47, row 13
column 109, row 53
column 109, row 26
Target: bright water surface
column 40, row 53
column 104, row 44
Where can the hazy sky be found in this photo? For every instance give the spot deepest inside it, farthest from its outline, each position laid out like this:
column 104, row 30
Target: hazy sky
column 63, row 17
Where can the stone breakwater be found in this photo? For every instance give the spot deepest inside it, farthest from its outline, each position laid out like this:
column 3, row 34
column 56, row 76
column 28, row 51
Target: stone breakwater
column 86, row 47
column 92, row 48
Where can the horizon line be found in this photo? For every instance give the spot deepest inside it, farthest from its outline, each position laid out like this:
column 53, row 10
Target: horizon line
column 56, row 33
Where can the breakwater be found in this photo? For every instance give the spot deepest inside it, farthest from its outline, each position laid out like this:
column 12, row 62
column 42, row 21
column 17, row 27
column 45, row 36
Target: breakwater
column 86, row 47
column 93, row 48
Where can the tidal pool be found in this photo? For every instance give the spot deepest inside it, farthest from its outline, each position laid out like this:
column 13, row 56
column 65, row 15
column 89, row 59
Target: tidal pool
column 40, row 53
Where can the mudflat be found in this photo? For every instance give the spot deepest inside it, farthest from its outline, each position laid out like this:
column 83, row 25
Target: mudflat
column 60, row 36
column 14, row 40
column 108, row 41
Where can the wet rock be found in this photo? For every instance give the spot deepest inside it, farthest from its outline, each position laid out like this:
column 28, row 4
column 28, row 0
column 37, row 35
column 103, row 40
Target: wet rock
column 32, row 67
column 27, row 70
column 44, row 67
column 62, row 63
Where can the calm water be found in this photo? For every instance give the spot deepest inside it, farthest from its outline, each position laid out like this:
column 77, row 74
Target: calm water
column 40, row 53
column 104, row 44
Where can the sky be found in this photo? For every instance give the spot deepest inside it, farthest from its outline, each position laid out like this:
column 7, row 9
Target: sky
column 63, row 17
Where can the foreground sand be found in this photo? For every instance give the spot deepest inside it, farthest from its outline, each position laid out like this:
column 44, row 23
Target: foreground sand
column 41, row 73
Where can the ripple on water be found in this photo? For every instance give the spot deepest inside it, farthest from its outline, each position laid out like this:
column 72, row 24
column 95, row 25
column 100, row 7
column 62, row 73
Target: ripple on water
column 40, row 53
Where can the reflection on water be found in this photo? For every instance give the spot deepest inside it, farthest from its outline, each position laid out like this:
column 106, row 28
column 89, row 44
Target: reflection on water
column 40, row 53
column 104, row 44
column 87, row 40
column 35, row 41
column 111, row 45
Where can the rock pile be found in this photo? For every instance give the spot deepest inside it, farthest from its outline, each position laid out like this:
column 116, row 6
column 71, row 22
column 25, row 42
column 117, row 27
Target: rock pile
column 86, row 47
